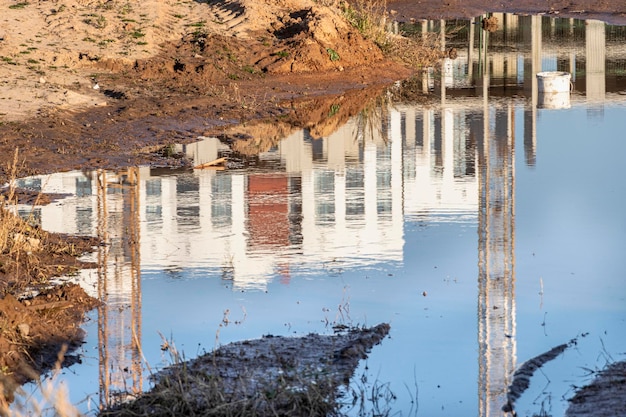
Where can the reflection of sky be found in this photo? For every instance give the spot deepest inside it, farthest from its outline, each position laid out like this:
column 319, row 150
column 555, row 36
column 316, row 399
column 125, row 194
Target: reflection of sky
column 577, row 206
column 569, row 240
column 571, row 236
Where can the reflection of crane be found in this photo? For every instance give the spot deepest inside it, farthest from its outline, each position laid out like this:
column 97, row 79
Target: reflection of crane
column 119, row 286
column 496, row 261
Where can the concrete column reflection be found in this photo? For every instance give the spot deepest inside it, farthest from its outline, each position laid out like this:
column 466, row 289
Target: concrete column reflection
column 532, row 65
column 119, row 285
column 595, row 68
column 496, row 279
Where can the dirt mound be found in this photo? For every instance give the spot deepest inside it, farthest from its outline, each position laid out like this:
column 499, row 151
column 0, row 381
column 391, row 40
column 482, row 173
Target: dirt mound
column 296, row 37
column 188, row 42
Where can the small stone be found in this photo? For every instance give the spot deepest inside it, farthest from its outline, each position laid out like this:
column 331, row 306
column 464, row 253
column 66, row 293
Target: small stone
column 23, row 329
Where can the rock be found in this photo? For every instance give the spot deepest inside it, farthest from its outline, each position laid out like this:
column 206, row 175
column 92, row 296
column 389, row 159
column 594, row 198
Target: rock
column 23, row 329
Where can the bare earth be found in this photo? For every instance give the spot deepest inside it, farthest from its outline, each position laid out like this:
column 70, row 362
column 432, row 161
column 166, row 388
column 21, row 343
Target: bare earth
column 88, row 84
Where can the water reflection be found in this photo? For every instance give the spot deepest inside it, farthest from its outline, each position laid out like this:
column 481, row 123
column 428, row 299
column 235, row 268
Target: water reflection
column 319, row 207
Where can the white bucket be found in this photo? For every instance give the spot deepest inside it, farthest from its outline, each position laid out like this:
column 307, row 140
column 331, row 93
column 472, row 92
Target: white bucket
column 553, row 100
column 553, row 82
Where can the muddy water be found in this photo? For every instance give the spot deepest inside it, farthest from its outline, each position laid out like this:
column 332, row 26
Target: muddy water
column 486, row 228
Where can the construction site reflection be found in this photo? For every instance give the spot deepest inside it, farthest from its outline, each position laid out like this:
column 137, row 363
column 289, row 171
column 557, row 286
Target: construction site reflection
column 316, row 206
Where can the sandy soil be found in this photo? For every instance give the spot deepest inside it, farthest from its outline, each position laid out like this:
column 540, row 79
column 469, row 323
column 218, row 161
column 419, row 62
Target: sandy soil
column 166, row 71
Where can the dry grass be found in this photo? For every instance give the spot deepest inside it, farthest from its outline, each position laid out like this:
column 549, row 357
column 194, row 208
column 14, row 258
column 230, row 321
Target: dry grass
column 29, row 255
column 16, row 234
column 371, row 18
column 272, row 376
column 372, row 120
column 53, row 397
column 418, row 52
column 171, row 397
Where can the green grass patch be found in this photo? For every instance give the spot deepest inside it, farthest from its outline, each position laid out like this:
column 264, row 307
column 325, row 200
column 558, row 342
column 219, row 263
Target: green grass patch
column 19, row 5
column 200, row 24
column 333, row 55
column 334, row 109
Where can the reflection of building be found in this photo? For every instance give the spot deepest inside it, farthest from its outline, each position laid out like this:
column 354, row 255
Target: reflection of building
column 119, row 286
column 105, row 205
column 523, row 46
column 496, row 262
column 493, row 70
column 595, row 68
column 340, row 200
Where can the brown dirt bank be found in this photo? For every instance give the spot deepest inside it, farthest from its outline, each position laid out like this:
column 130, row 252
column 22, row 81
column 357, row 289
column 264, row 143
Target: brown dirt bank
column 195, row 69
column 33, row 331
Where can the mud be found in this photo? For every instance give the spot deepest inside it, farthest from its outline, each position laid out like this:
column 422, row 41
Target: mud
column 521, row 377
column 605, row 396
column 270, row 376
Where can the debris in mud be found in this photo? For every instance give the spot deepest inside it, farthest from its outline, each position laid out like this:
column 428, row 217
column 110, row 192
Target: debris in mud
column 490, row 24
column 521, row 378
column 281, row 375
column 604, row 397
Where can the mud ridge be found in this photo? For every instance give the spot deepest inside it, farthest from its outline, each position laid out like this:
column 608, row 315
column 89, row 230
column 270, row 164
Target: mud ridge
column 264, row 375
column 521, row 377
column 604, row 397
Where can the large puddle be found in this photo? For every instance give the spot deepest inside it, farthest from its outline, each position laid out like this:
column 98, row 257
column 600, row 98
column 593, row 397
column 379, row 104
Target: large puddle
column 486, row 227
